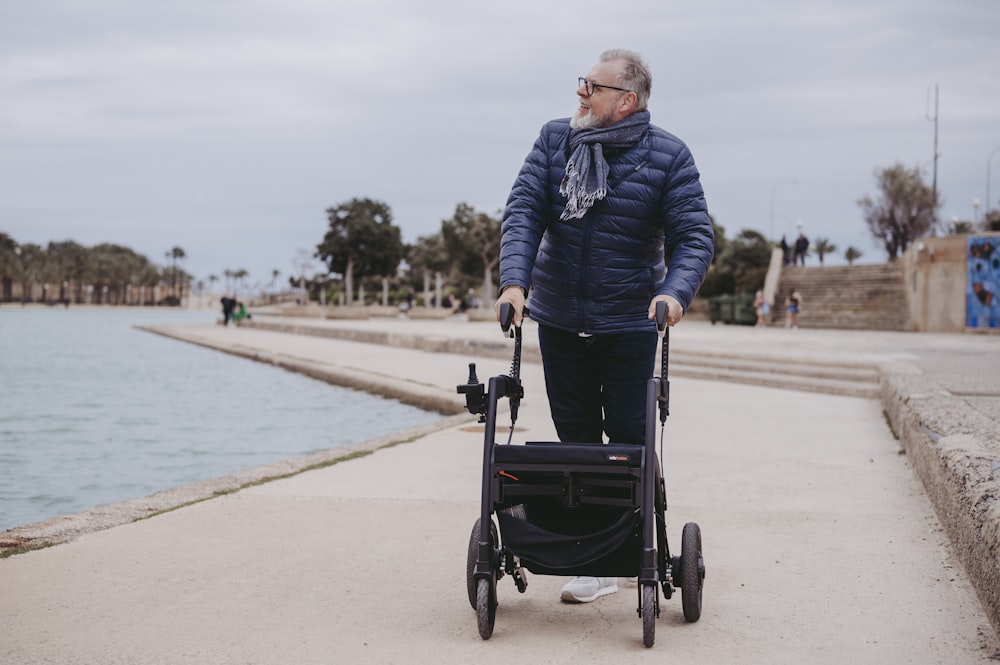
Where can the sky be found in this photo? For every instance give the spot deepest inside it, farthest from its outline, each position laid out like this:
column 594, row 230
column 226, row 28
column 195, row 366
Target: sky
column 228, row 127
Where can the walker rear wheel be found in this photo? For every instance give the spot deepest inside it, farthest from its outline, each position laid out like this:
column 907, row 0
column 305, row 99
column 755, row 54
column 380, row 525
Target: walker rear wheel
column 692, row 571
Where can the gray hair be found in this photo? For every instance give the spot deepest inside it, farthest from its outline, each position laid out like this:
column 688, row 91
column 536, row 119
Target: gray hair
column 635, row 74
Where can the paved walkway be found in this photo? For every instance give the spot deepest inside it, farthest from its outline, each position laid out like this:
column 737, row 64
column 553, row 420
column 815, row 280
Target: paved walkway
column 822, row 545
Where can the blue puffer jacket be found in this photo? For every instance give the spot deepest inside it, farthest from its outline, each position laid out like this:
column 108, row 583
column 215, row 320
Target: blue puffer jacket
column 598, row 274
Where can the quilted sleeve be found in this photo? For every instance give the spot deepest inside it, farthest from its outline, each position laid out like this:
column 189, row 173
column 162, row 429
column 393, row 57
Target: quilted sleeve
column 689, row 239
column 524, row 217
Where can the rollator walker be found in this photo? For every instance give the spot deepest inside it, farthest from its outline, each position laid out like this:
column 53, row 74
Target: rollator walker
column 564, row 508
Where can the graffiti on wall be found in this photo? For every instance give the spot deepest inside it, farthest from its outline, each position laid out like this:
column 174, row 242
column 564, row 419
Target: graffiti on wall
column 982, row 291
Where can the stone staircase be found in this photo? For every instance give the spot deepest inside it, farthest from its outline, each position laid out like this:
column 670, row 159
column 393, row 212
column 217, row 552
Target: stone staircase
column 855, row 379
column 860, row 380
column 862, row 297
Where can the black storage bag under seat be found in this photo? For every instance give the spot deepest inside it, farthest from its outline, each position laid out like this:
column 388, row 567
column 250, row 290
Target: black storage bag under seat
column 553, row 539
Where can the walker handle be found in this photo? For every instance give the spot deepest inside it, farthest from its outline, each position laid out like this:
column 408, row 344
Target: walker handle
column 506, row 316
column 661, row 315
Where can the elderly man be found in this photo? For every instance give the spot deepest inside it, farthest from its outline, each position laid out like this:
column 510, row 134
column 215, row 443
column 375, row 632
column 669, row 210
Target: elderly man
column 599, row 199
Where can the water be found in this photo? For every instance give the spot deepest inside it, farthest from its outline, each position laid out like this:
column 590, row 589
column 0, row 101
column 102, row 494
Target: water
column 93, row 411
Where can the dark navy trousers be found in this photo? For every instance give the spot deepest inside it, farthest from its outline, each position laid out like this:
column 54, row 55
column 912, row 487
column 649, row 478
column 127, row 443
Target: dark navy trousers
column 597, row 384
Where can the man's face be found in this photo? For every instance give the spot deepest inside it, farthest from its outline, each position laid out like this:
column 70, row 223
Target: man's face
column 603, row 107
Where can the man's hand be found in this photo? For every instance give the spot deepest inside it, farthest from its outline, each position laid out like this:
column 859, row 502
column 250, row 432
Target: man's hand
column 515, row 296
column 674, row 310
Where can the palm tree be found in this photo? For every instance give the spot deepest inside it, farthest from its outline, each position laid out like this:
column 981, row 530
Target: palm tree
column 175, row 254
column 823, row 246
column 69, row 262
column 239, row 277
column 147, row 277
column 30, row 268
column 9, row 254
column 112, row 269
column 852, row 254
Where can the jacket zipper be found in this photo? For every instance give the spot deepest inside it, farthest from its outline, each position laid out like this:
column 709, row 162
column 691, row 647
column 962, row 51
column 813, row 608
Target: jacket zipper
column 588, row 232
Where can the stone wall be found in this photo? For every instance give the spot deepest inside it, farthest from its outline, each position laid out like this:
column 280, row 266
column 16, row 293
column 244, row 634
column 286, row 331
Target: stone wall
column 935, row 282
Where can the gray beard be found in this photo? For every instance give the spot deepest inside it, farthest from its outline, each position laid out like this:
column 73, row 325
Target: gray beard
column 586, row 121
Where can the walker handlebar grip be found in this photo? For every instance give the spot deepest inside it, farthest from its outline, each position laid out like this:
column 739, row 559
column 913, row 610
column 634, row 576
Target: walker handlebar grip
column 506, row 316
column 661, row 315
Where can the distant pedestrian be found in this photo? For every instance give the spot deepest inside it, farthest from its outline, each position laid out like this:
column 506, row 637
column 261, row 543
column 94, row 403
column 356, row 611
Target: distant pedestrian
column 794, row 303
column 240, row 313
column 761, row 307
column 228, row 306
column 801, row 249
column 786, row 252
column 471, row 301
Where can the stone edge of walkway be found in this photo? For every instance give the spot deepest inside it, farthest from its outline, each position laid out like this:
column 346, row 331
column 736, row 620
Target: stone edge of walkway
column 947, row 443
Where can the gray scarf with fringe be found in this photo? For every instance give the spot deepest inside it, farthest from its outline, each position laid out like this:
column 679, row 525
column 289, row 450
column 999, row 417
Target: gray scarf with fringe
column 586, row 179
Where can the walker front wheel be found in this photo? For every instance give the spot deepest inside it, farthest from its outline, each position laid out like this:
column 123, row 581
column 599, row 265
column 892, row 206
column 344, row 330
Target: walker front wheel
column 473, row 557
column 648, row 614
column 486, row 607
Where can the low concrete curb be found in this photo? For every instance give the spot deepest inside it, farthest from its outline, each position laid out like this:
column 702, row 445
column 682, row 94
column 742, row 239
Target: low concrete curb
column 949, row 445
column 421, row 342
column 421, row 396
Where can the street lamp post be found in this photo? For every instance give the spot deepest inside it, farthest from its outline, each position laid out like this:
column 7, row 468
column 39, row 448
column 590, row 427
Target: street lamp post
column 988, row 161
column 790, row 181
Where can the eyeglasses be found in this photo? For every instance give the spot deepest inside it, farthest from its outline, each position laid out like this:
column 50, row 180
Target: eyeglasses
column 591, row 86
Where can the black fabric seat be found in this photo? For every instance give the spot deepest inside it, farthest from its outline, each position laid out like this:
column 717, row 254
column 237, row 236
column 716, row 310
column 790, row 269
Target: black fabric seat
column 570, row 508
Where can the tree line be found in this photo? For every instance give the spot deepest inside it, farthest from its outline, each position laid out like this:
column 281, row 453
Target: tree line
column 105, row 274
column 363, row 248
column 362, row 253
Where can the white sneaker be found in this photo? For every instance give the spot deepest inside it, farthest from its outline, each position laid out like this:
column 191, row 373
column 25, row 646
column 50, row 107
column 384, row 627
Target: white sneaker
column 587, row 589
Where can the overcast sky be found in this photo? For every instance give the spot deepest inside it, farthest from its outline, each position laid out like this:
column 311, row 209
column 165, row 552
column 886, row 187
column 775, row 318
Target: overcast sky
column 228, row 127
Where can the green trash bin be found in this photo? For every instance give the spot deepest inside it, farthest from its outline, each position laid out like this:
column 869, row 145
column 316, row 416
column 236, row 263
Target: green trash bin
column 720, row 308
column 744, row 313
column 714, row 309
column 736, row 309
column 728, row 309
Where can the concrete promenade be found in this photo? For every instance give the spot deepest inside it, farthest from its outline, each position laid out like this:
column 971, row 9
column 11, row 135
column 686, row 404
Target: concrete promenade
column 827, row 538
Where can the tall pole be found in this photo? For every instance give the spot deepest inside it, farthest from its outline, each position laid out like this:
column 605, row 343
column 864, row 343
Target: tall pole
column 986, row 209
column 934, row 183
